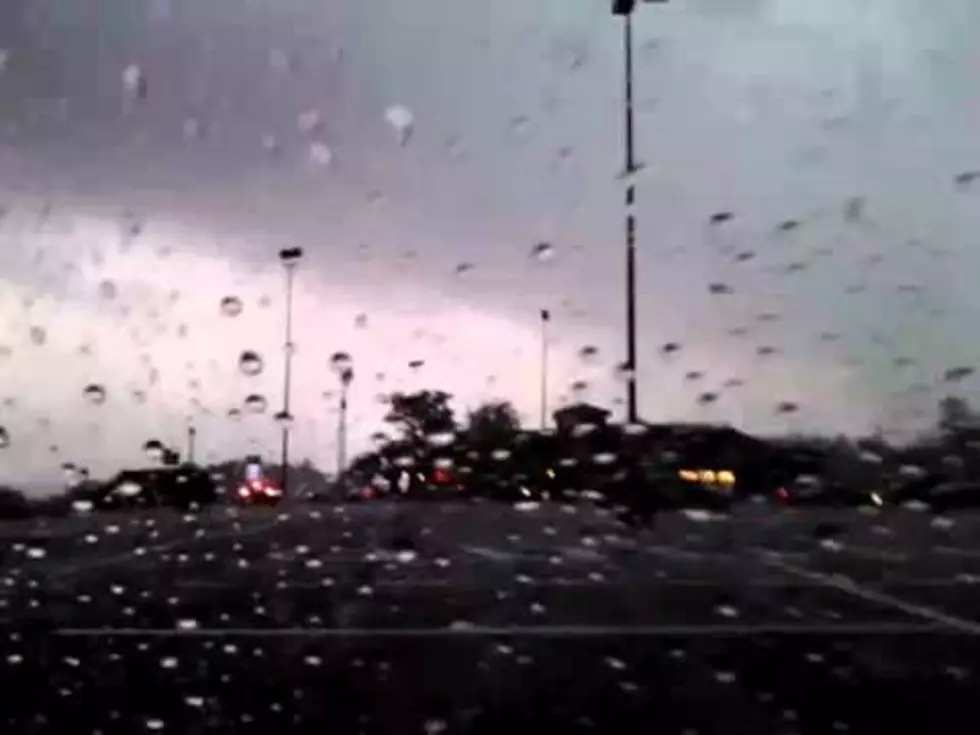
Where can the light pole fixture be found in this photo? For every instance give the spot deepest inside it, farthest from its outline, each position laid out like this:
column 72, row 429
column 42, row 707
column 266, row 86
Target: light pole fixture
column 290, row 258
column 545, row 320
column 343, row 367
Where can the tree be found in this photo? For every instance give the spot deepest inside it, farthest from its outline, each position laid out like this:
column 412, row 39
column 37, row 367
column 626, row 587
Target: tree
column 421, row 413
column 13, row 504
column 496, row 423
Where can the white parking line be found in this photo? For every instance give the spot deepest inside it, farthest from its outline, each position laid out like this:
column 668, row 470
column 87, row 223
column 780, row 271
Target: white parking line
column 617, row 582
column 544, row 631
column 849, row 586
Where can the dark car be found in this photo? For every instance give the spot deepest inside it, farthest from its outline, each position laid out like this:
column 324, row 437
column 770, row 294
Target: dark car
column 181, row 487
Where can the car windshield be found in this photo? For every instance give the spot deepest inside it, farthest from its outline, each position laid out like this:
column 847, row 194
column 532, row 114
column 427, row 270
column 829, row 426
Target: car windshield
column 380, row 366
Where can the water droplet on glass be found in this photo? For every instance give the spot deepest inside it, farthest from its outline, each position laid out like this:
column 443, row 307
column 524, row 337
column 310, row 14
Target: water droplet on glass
column 543, row 251
column 309, row 121
column 320, row 154
column 38, row 335
column 256, row 404
column 588, row 353
column 94, row 394
column 154, row 449
column 361, row 321
column 284, row 419
column 134, row 82
column 250, row 364
column 270, row 143
column 280, row 61
column 956, row 374
column 108, row 290
column 786, row 407
column 402, row 120
column 966, row 179
column 231, row 306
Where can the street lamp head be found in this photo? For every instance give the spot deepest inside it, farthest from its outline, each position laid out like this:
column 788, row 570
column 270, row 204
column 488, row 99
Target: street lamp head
column 290, row 256
column 340, row 362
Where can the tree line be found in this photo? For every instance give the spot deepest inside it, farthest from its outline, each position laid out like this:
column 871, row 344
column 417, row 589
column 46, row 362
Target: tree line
column 952, row 446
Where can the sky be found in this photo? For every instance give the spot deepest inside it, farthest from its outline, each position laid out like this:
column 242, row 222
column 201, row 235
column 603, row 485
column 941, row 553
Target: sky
column 156, row 155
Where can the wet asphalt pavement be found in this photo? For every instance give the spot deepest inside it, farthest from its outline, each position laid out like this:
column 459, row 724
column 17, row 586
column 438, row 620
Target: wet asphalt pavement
column 468, row 618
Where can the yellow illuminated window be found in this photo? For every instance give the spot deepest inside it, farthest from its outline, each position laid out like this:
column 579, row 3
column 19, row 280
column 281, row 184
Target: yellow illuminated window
column 688, row 475
column 726, row 477
column 708, row 477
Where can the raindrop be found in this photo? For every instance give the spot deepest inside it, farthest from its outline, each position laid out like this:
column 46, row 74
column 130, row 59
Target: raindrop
column 234, row 414
column 308, row 121
column 787, row 407
column 270, row 143
column 956, row 374
column 854, row 209
column 720, row 218
column 231, row 306
column 361, row 321
column 280, row 61
column 134, row 82
column 966, row 179
column 720, row 288
column 94, row 394
column 707, row 398
column 284, row 419
column 624, row 372
column 693, row 375
column 765, row 351
column 256, row 404
column 588, row 353
column 320, row 154
column 463, row 268
column 789, row 225
column 108, row 290
column 250, row 364
column 416, row 364
column 402, row 120
column 154, row 449
column 670, row 348
column 38, row 335
column 744, row 256
column 543, row 251
column 193, row 128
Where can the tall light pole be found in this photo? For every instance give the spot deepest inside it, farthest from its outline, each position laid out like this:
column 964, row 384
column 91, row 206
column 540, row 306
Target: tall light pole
column 345, row 380
column 545, row 319
column 624, row 9
column 289, row 257
column 191, row 442
column 343, row 367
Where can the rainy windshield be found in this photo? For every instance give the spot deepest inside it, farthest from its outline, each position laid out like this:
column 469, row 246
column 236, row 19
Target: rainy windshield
column 392, row 367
